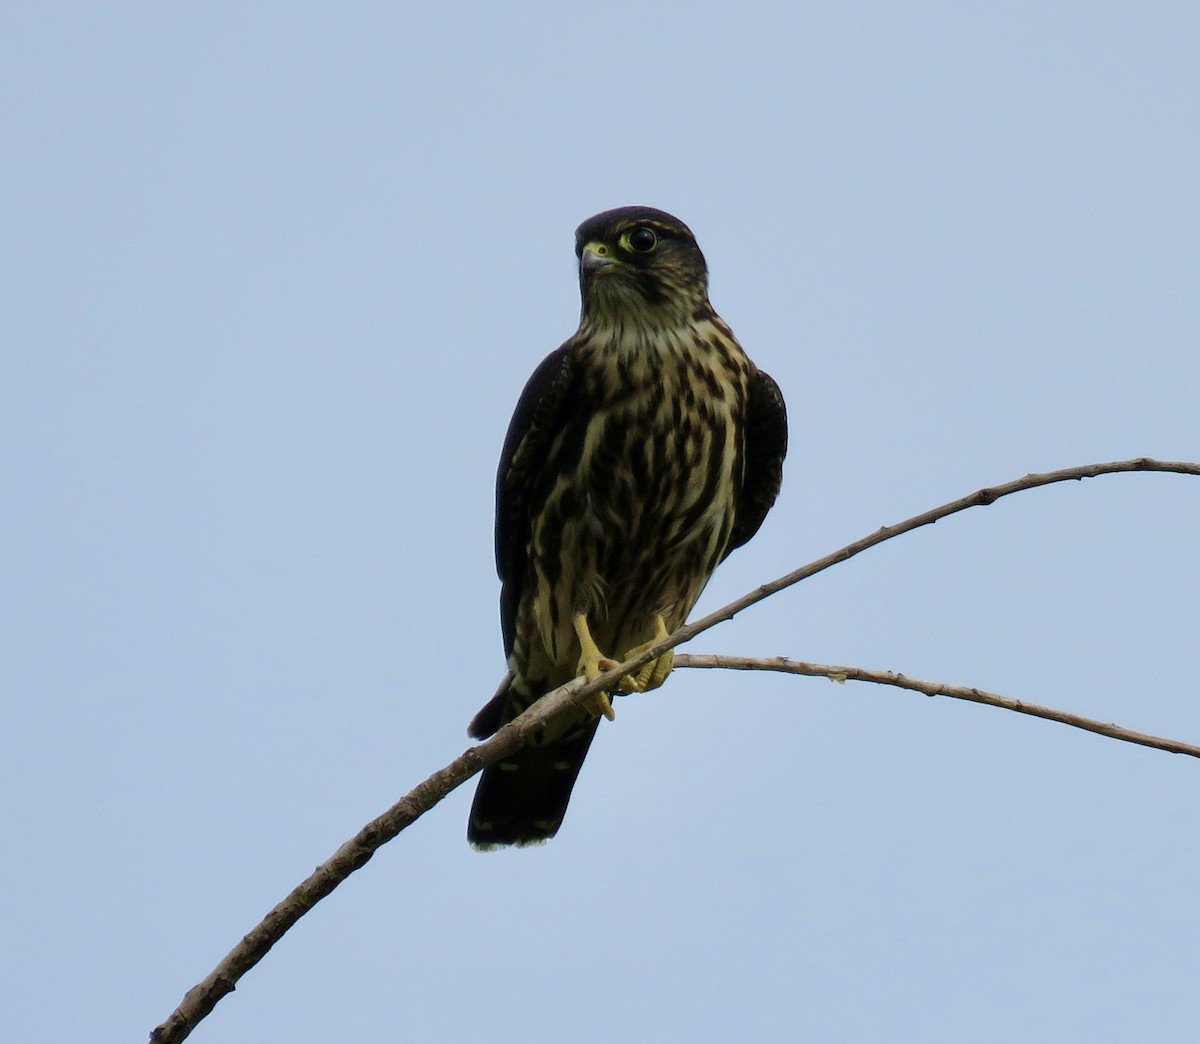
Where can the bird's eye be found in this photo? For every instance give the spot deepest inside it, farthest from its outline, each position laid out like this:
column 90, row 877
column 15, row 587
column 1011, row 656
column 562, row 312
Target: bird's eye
column 642, row 240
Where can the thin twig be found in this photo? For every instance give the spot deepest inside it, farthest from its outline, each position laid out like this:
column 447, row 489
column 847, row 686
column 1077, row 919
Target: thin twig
column 958, row 692
column 202, row 998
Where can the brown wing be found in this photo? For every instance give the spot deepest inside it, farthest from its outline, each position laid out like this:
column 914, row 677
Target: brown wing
column 521, row 481
column 766, row 446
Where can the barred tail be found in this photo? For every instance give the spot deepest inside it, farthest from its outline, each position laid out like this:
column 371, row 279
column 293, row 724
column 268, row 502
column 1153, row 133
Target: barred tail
column 522, row 800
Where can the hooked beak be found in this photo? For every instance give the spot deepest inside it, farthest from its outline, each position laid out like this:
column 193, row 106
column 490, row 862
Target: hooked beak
column 594, row 257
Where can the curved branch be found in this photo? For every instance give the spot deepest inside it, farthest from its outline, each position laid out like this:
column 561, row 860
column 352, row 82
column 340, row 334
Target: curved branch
column 980, row 498
column 355, row 853
column 202, row 998
column 957, row 692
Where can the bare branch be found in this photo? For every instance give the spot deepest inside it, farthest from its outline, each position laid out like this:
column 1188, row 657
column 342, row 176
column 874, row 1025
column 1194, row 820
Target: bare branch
column 202, row 998
column 980, row 498
column 957, row 692
column 355, row 853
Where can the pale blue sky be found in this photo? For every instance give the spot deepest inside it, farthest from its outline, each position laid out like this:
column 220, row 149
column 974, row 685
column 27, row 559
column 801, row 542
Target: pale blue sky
column 274, row 277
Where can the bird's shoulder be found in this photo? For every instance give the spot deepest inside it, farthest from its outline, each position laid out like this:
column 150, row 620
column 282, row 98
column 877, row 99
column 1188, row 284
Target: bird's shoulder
column 539, row 406
column 539, row 413
column 766, row 435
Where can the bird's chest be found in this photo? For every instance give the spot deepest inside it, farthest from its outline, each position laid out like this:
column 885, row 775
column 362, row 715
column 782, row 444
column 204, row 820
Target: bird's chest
column 656, row 467
column 653, row 489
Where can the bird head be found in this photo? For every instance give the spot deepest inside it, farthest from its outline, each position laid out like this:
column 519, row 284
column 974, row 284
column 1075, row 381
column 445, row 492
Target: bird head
column 640, row 260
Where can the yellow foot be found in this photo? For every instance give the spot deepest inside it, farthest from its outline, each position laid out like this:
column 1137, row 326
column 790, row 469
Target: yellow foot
column 654, row 673
column 592, row 664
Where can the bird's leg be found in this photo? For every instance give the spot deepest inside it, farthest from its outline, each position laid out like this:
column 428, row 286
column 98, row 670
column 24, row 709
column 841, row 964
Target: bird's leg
column 592, row 664
column 653, row 674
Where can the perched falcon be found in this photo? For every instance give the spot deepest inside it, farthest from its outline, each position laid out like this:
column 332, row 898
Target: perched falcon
column 641, row 453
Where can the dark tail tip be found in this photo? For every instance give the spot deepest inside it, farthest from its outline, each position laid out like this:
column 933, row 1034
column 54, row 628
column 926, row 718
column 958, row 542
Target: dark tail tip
column 523, row 799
